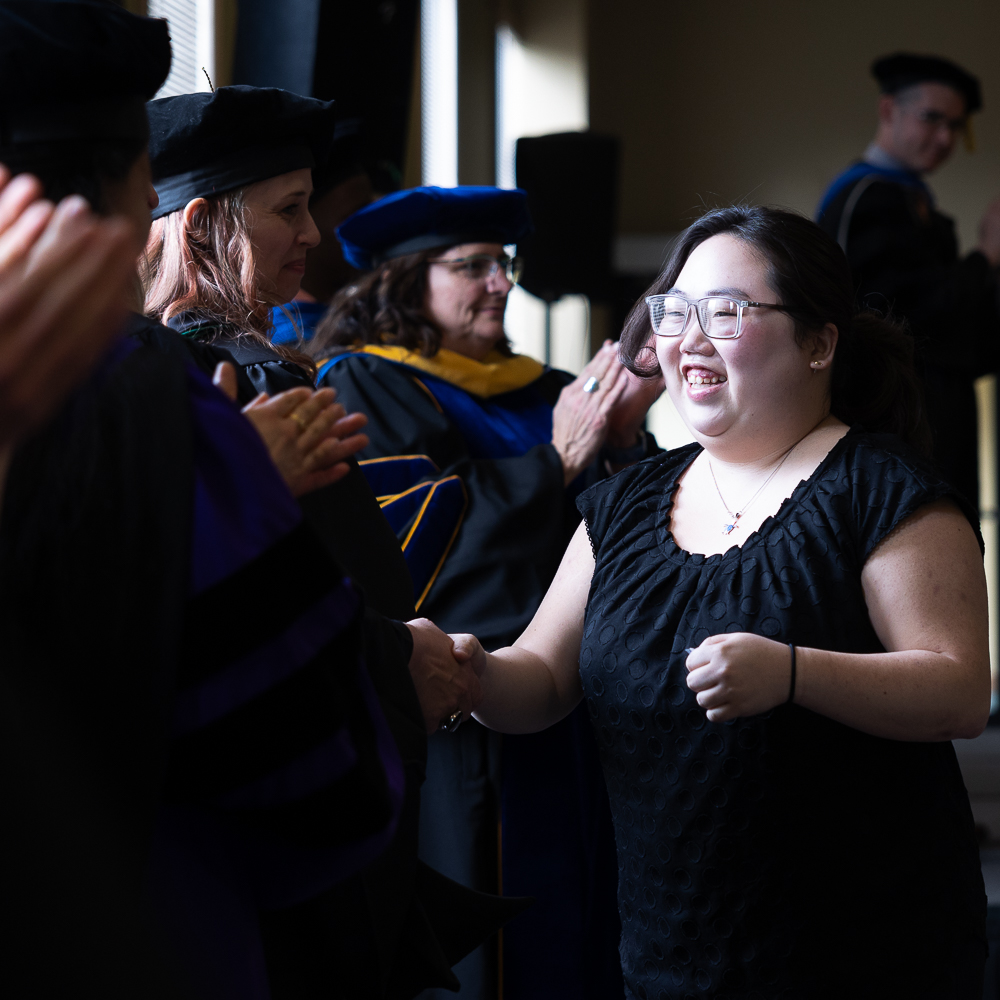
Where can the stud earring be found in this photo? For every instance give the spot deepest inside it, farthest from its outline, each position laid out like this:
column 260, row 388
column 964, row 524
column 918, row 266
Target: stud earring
column 816, row 364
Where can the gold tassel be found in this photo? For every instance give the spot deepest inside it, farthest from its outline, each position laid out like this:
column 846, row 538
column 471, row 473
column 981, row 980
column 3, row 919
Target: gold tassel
column 211, row 86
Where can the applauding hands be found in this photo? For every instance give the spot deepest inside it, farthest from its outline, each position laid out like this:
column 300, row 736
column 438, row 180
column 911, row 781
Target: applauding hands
column 604, row 403
column 64, row 275
column 308, row 434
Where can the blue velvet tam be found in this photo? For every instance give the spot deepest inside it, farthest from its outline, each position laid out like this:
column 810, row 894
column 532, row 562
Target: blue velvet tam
column 201, row 145
column 74, row 71
column 426, row 217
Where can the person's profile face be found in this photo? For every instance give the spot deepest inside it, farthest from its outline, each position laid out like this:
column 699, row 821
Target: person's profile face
column 923, row 124
column 719, row 386
column 466, row 306
column 281, row 230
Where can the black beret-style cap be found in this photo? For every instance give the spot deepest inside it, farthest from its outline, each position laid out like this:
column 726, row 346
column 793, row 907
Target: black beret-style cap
column 202, row 145
column 75, row 70
column 903, row 69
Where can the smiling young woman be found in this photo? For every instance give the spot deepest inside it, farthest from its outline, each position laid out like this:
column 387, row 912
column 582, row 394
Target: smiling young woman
column 777, row 631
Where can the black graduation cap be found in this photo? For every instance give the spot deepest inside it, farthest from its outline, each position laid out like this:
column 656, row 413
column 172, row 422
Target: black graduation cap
column 202, row 144
column 77, row 70
column 904, row 69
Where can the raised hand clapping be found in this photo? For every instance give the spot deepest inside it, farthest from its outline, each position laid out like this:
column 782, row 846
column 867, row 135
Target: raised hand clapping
column 308, row 434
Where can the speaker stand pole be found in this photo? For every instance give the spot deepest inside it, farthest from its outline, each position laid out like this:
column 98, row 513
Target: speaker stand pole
column 548, row 332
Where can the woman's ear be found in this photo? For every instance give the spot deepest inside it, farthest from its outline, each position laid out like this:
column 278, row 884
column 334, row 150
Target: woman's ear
column 822, row 347
column 194, row 214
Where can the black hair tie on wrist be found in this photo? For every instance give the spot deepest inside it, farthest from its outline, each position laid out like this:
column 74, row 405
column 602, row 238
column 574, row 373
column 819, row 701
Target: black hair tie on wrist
column 791, row 686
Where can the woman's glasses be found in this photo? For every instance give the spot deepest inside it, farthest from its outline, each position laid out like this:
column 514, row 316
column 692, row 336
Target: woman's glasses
column 719, row 318
column 483, row 266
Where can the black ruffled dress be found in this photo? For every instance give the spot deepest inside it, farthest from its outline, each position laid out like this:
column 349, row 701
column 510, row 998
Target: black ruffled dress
column 783, row 855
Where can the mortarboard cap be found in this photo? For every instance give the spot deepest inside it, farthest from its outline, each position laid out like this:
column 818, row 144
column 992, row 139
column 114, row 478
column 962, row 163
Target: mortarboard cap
column 202, row 145
column 425, row 217
column 76, row 71
column 903, row 69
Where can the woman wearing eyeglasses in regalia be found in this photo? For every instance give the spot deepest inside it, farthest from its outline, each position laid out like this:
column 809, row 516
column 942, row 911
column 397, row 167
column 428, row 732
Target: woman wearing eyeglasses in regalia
column 477, row 455
column 777, row 631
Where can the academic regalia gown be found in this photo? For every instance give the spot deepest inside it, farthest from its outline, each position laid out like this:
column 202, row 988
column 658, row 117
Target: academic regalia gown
column 461, row 456
column 145, row 521
column 904, row 256
column 94, row 546
column 399, row 926
column 369, row 550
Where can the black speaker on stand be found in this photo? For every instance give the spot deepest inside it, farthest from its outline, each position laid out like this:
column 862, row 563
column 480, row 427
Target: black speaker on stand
column 572, row 181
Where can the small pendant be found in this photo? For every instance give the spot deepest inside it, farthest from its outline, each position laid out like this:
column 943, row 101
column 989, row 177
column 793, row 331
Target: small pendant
column 729, row 528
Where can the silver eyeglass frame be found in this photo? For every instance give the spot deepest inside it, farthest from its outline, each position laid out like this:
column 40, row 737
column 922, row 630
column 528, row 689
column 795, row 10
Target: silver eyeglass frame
column 696, row 304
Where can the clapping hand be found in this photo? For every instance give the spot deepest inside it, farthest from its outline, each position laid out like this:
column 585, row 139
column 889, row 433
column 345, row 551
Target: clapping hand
column 307, row 433
column 739, row 674
column 606, row 402
column 64, row 279
column 628, row 415
column 580, row 416
column 444, row 686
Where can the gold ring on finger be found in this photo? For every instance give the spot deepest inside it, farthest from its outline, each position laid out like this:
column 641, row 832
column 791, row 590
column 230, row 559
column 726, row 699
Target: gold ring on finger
column 298, row 419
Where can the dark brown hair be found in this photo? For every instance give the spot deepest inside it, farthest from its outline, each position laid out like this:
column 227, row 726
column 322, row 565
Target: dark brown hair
column 385, row 306
column 873, row 383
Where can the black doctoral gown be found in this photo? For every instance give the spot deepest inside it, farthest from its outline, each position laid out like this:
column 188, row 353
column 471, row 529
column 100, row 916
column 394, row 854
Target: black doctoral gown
column 346, row 515
column 94, row 549
column 905, row 260
column 399, row 926
column 519, row 517
column 496, row 559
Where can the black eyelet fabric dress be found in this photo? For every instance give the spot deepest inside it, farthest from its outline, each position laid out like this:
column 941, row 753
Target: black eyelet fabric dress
column 782, row 855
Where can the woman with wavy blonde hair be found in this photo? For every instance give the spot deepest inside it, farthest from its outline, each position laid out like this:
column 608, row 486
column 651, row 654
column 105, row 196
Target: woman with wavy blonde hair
column 232, row 228
column 228, row 243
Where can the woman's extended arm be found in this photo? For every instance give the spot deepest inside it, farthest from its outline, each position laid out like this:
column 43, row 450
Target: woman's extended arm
column 926, row 595
column 536, row 682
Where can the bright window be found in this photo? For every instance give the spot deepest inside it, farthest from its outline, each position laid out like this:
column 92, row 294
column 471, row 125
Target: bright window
column 192, row 37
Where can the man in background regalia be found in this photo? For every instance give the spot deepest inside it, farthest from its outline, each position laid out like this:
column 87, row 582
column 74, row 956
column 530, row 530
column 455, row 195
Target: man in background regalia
column 904, row 252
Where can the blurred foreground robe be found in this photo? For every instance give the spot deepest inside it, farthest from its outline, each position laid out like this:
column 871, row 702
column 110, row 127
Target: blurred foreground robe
column 399, row 926
column 462, row 462
column 94, row 548
column 193, row 772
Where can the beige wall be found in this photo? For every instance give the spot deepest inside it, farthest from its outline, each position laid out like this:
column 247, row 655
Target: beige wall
column 767, row 101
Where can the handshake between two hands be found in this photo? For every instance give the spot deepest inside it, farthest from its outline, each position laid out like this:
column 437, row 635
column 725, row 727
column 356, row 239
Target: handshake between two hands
column 309, row 436
column 444, row 674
